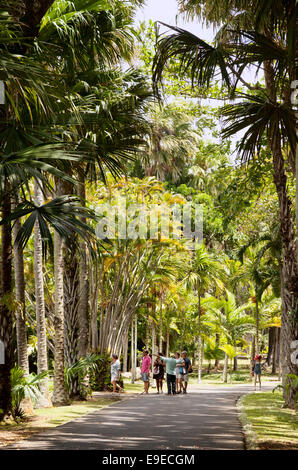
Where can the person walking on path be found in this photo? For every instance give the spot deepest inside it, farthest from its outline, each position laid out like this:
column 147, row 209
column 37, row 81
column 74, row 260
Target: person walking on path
column 171, row 363
column 115, row 373
column 178, row 372
column 186, row 370
column 158, row 373
column 145, row 370
column 257, row 371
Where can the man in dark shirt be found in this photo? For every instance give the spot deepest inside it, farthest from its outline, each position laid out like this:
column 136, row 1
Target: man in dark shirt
column 186, row 368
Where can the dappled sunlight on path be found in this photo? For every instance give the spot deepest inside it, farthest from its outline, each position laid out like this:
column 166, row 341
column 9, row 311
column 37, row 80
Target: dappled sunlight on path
column 205, row 418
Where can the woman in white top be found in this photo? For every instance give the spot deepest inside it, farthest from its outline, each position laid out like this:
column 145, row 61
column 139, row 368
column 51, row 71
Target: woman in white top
column 115, row 373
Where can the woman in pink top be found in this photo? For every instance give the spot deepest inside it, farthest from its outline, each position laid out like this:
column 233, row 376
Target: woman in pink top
column 145, row 370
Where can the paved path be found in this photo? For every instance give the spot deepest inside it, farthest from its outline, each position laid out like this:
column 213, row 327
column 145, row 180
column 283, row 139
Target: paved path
column 205, row 418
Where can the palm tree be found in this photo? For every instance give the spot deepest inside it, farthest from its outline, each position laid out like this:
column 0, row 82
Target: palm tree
column 229, row 320
column 172, row 141
column 21, row 326
column 265, row 38
column 205, row 272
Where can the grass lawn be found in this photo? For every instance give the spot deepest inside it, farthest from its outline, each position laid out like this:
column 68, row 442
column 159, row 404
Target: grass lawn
column 137, row 387
column 274, row 427
column 241, row 376
column 46, row 418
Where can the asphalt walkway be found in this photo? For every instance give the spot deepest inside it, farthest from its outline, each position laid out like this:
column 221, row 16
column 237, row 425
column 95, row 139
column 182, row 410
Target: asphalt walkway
column 205, row 418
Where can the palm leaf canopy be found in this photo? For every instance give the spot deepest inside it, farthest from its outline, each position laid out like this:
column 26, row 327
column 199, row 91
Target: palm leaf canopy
column 63, row 213
column 196, row 57
column 258, row 116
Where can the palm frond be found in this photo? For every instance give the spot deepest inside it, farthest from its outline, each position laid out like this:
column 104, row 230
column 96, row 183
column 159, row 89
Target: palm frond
column 259, row 117
column 197, row 58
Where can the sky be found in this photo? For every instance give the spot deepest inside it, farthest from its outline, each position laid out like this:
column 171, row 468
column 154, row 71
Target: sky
column 167, row 11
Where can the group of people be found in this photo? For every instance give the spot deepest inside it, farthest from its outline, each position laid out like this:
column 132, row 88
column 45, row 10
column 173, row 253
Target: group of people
column 177, row 370
column 176, row 367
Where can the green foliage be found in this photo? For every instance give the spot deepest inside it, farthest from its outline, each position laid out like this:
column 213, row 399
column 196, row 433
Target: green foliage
column 83, row 369
column 24, row 386
column 291, row 383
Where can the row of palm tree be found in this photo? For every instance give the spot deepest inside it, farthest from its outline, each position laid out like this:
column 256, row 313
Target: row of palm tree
column 262, row 36
column 61, row 122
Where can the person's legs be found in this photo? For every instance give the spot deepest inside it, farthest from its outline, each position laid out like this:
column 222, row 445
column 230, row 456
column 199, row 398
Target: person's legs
column 146, row 386
column 260, row 381
column 119, row 387
column 157, row 385
column 114, row 386
column 174, row 385
column 255, row 375
column 169, row 384
column 185, row 378
column 160, row 385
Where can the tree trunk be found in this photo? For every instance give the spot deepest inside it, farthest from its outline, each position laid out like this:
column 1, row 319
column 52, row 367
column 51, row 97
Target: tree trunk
column 136, row 344
column 153, row 344
column 132, row 354
column 42, row 355
column 71, row 326
column 125, row 352
column 274, row 351
column 60, row 394
column 270, row 344
column 6, row 322
column 225, row 369
column 168, row 341
column 257, row 326
column 252, row 355
column 21, row 327
column 83, row 282
column 216, row 364
column 160, row 325
column 199, row 340
column 289, row 255
column 147, row 340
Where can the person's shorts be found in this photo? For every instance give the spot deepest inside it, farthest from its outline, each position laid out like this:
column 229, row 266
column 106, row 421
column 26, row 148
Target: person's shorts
column 145, row 377
column 184, row 377
column 179, row 376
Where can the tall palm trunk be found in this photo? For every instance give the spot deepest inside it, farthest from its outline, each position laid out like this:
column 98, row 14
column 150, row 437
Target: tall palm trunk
column 168, row 341
column 252, row 353
column 147, row 329
column 216, row 363
column 125, row 352
column 71, row 300
column 83, row 282
column 160, row 326
column 136, row 344
column 273, row 371
column 153, row 349
column 21, row 327
column 199, row 337
column 60, row 394
column 132, row 354
column 290, row 264
column 225, row 369
column 42, row 356
column 6, row 323
column 257, row 325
